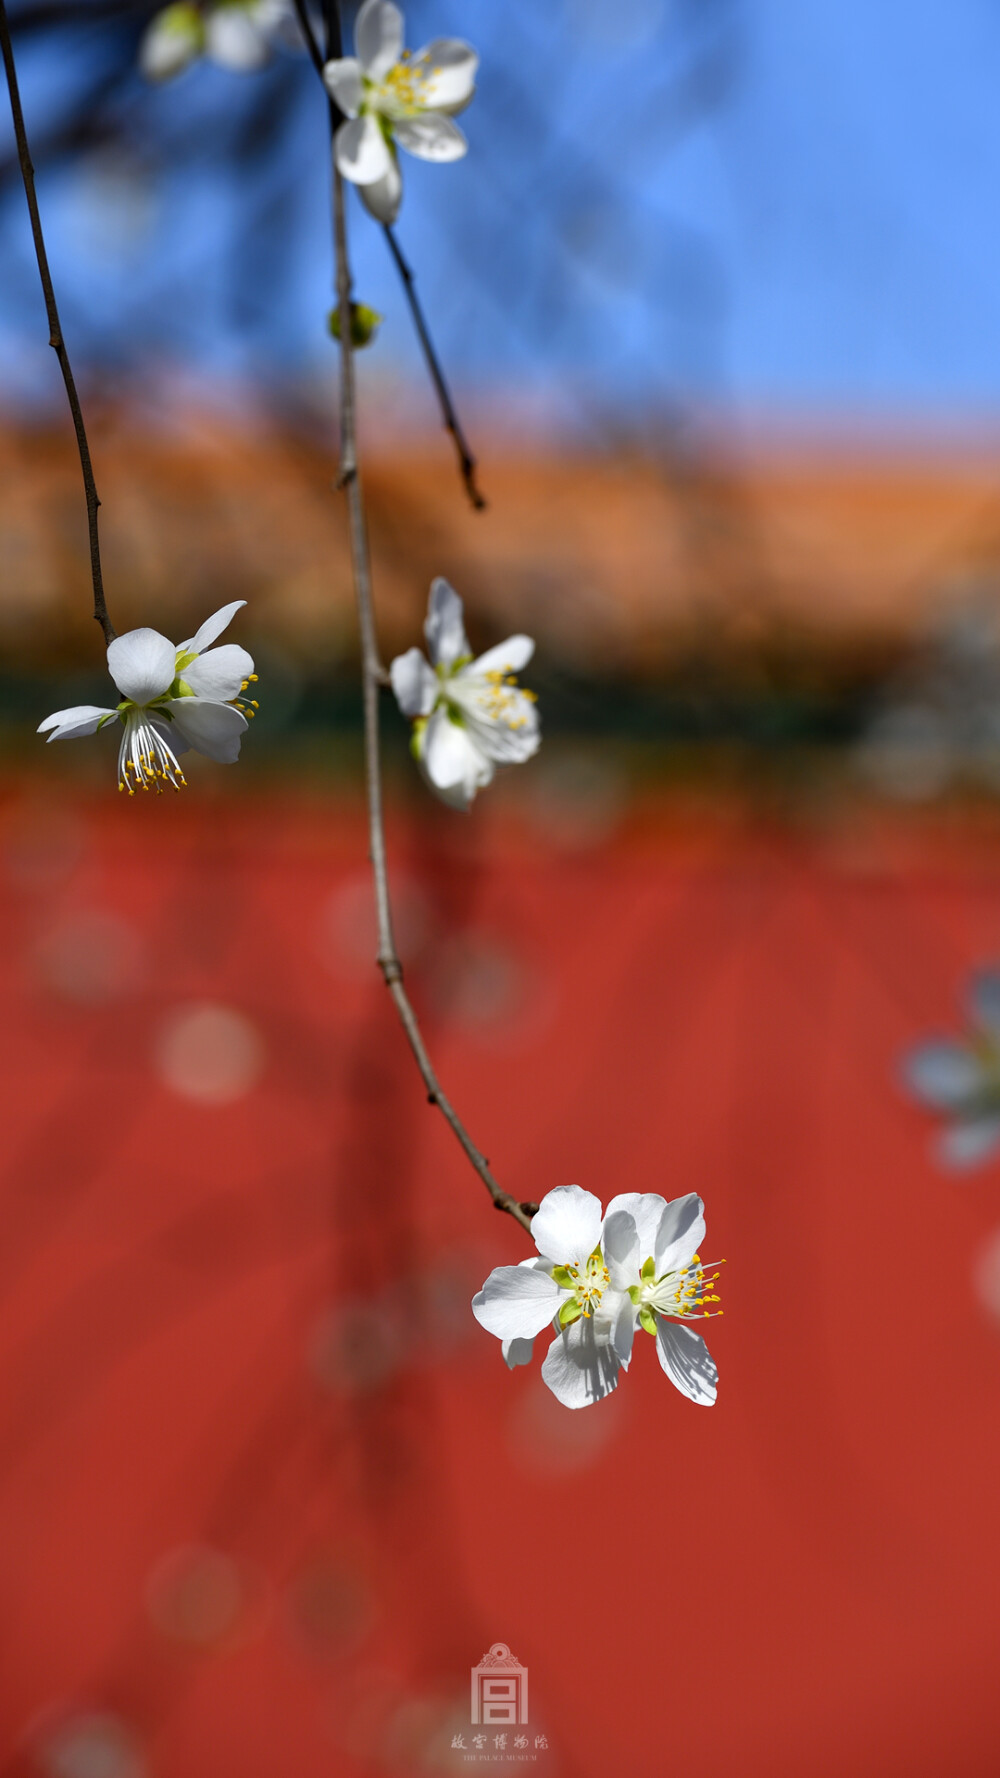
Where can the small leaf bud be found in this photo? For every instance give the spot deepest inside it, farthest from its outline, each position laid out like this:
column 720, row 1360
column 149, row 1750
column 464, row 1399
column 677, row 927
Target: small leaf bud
column 364, row 324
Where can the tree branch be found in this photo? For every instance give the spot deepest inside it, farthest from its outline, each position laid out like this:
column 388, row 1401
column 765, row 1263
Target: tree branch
column 56, row 340
column 449, row 415
column 374, row 675
column 305, row 25
column 466, row 461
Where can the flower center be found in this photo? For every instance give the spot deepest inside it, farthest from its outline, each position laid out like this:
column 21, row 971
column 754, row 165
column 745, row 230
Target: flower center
column 500, row 698
column 493, row 696
column 987, row 1054
column 145, row 758
column 403, row 91
column 586, row 1284
column 683, row 1295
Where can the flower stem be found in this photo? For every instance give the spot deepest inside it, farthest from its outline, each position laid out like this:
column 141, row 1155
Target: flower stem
column 373, row 677
column 449, row 413
column 56, row 340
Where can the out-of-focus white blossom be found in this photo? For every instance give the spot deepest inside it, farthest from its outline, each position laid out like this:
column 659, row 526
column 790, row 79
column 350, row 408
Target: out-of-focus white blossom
column 240, row 35
column 960, row 1078
column 469, row 715
column 392, row 99
column 935, row 727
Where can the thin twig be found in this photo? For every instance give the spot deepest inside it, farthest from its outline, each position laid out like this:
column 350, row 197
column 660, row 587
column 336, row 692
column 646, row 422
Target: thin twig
column 373, row 675
column 305, row 25
column 466, row 461
column 56, row 340
column 449, row 414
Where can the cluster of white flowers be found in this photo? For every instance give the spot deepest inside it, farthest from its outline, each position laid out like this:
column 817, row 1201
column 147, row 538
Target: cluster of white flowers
column 389, row 97
column 960, row 1077
column 598, row 1278
column 240, row 35
column 469, row 715
column 173, row 697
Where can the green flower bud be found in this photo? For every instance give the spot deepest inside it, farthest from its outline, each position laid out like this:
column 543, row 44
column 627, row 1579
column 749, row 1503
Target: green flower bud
column 172, row 41
column 183, row 19
column 364, row 324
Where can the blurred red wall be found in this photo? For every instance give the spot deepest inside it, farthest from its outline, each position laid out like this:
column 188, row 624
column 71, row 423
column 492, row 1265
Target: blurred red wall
column 268, row 1491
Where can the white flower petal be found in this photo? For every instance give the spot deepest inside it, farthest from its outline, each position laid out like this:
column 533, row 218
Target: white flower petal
column 415, row 686
column 141, row 664
column 213, row 729
column 620, row 1240
column 680, row 1233
column 172, row 735
column 444, row 628
column 271, row 15
column 969, row 1141
column 342, row 79
column 984, row 999
column 79, row 719
column 361, row 151
column 511, row 656
column 566, row 1227
column 508, row 738
column 432, row 137
column 171, row 42
column 503, row 718
column 378, row 37
column 454, row 798
column 579, row 1366
column 646, row 1209
column 944, row 1074
column 450, row 67
column 623, row 1315
column 383, row 197
column 516, row 1302
column 687, row 1361
column 235, row 41
column 220, row 674
column 519, row 1351
column 213, row 626
column 452, row 763
column 279, row 20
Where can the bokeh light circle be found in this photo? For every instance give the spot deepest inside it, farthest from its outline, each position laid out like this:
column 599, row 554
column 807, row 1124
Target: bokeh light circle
column 210, row 1053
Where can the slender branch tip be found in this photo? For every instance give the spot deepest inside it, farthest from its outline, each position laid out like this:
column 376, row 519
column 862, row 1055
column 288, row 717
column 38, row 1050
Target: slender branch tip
column 56, row 340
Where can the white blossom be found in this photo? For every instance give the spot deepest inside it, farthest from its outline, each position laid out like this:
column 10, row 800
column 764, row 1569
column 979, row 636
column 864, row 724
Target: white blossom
column 960, row 1076
column 651, row 1252
column 173, row 698
column 240, row 35
column 596, row 1280
column 469, row 715
column 569, row 1288
column 392, row 99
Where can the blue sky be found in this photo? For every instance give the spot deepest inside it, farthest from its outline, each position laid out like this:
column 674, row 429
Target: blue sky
column 814, row 234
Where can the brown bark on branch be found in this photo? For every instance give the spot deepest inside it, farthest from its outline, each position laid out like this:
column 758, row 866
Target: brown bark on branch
column 373, row 677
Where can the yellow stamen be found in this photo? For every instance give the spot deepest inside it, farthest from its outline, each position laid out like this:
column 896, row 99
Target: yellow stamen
column 684, row 1295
